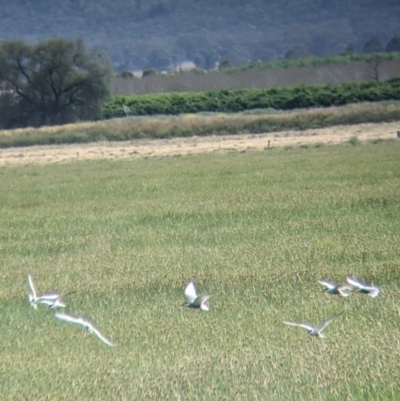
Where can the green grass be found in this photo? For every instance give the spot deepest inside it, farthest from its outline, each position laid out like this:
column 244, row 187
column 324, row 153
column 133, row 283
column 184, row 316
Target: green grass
column 256, row 229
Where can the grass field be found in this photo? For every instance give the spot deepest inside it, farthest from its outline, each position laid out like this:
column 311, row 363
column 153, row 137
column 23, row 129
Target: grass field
column 256, row 229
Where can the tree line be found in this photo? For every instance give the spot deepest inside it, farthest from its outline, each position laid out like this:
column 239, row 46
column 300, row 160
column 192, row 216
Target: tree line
column 139, row 34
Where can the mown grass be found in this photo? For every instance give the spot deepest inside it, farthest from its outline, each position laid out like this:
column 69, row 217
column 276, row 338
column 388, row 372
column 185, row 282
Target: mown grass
column 201, row 124
column 256, row 229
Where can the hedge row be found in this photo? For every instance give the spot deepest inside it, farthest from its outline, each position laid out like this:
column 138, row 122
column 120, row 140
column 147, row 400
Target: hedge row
column 227, row 101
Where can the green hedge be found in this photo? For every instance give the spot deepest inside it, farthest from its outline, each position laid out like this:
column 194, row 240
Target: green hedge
column 283, row 98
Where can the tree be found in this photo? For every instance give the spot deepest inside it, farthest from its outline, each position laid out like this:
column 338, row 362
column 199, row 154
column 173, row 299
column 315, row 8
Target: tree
column 125, row 74
column 374, row 45
column 53, row 82
column 199, row 49
column 159, row 59
column 149, row 72
column 224, row 63
column 393, row 44
column 349, row 50
column 297, row 52
column 374, row 64
column 101, row 56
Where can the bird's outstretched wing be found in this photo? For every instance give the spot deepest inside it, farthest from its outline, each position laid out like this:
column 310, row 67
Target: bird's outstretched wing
column 32, row 296
column 99, row 335
column 32, row 287
column 203, row 302
column 85, row 323
column 191, row 292
column 355, row 282
column 303, row 325
column 371, row 290
column 328, row 284
column 69, row 319
column 54, row 296
column 321, row 326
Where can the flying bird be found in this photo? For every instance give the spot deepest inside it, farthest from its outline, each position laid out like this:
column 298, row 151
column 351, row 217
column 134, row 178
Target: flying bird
column 359, row 286
column 86, row 324
column 341, row 289
column 33, row 294
column 195, row 301
column 53, row 300
column 317, row 330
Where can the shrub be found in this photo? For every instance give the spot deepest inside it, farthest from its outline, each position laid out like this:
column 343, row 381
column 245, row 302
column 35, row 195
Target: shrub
column 354, row 141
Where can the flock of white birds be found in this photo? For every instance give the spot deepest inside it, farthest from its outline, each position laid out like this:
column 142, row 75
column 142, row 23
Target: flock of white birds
column 353, row 285
column 54, row 300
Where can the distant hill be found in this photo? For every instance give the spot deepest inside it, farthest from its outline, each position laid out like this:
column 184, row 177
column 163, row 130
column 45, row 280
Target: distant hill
column 157, row 33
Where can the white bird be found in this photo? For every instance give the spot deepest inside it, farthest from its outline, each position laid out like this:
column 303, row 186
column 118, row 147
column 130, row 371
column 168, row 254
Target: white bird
column 195, row 301
column 341, row 289
column 53, row 300
column 33, row 294
column 362, row 288
column 127, row 110
column 86, row 324
column 317, row 330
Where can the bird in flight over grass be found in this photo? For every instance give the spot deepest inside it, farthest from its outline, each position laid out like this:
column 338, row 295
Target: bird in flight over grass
column 33, row 294
column 86, row 324
column 317, row 330
column 362, row 288
column 52, row 300
column 341, row 289
column 195, row 301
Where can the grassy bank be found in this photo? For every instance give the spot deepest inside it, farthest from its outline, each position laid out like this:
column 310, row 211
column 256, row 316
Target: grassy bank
column 256, row 229
column 256, row 121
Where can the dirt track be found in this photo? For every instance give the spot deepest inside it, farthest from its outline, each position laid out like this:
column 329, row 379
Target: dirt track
column 182, row 146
